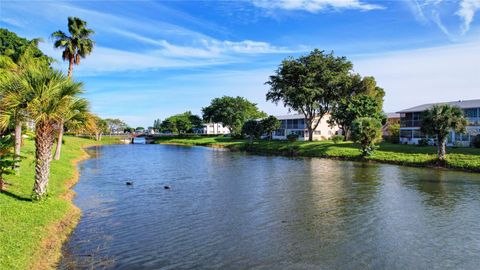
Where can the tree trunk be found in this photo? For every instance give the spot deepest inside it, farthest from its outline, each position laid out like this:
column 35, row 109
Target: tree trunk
column 18, row 143
column 442, row 153
column 44, row 139
column 70, row 68
column 310, row 133
column 59, row 141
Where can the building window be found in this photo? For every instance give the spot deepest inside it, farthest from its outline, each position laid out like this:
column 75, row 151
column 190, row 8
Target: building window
column 406, row 134
column 317, row 132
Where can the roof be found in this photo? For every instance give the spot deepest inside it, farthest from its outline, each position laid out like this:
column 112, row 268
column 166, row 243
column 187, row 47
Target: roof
column 464, row 104
column 393, row 115
column 290, row 116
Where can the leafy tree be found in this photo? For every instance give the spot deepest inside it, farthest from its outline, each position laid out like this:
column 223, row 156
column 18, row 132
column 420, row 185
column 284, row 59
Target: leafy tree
column 232, row 112
column 367, row 132
column 7, row 158
column 14, row 47
column 394, row 130
column 157, row 124
column 360, row 97
column 310, row 85
column 269, row 125
column 439, row 121
column 253, row 129
column 76, row 46
column 115, row 125
column 181, row 123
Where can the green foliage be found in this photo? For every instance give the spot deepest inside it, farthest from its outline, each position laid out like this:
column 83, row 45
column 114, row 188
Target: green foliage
column 181, row 123
column 360, row 98
column 115, row 125
column 394, row 130
column 76, row 46
column 269, row 125
column 7, row 161
column 157, row 124
column 14, row 47
column 423, row 142
column 310, row 85
column 338, row 138
column 252, row 129
column 439, row 121
column 232, row 112
column 476, row 141
column 292, row 137
column 367, row 132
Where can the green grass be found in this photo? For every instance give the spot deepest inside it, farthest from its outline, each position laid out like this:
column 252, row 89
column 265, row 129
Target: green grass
column 23, row 223
column 457, row 158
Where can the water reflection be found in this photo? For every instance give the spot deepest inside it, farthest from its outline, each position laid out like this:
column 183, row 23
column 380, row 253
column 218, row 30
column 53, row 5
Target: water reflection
column 236, row 211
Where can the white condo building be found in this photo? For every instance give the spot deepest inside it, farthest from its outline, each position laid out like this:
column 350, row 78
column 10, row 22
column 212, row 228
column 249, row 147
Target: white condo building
column 215, row 128
column 411, row 121
column 295, row 124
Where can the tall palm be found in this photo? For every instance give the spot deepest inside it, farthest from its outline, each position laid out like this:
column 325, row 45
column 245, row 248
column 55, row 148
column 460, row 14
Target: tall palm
column 74, row 111
column 439, row 121
column 50, row 93
column 76, row 46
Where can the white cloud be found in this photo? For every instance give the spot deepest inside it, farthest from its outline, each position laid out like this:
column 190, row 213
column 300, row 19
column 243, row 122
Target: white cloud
column 425, row 75
column 467, row 10
column 314, row 6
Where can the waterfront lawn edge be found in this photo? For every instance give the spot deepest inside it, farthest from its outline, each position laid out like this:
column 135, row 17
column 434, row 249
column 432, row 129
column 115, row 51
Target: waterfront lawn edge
column 466, row 159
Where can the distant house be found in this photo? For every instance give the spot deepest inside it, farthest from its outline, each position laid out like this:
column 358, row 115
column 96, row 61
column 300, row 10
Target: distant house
column 411, row 120
column 295, row 124
column 214, row 129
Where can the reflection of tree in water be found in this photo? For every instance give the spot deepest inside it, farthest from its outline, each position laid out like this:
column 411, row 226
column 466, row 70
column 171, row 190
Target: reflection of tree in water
column 439, row 187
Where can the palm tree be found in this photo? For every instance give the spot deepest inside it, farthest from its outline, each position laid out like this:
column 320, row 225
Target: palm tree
column 74, row 110
column 51, row 94
column 439, row 121
column 76, row 46
column 13, row 99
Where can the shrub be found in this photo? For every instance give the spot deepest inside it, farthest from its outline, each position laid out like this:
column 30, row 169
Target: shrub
column 338, row 138
column 423, row 142
column 367, row 132
column 292, row 137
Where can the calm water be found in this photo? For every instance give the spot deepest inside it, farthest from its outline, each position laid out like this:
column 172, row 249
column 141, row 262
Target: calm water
column 236, row 211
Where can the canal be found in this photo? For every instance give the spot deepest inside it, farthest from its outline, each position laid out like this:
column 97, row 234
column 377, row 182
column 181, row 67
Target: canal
column 226, row 210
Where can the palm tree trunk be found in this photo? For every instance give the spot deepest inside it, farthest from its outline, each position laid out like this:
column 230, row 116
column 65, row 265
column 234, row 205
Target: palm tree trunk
column 442, row 153
column 44, row 139
column 70, row 68
column 59, row 141
column 18, row 144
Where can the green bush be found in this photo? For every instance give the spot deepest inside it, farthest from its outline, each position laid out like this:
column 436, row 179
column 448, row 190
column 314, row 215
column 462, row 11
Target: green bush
column 476, row 141
column 423, row 142
column 367, row 132
column 292, row 137
column 338, row 138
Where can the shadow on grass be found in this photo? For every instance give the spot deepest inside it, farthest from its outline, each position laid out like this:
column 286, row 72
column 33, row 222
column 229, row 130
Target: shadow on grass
column 15, row 196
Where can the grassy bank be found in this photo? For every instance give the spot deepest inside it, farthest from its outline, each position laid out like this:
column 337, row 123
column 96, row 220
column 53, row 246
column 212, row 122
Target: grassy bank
column 457, row 158
column 31, row 233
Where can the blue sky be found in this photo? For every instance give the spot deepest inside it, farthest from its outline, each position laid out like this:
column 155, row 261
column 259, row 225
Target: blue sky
column 156, row 58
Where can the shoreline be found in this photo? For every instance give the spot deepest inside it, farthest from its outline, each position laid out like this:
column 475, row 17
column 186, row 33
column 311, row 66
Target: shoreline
column 49, row 252
column 244, row 148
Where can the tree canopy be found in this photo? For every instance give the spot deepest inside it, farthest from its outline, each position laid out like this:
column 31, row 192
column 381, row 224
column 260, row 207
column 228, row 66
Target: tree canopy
column 439, row 121
column 310, row 85
column 181, row 123
column 232, row 112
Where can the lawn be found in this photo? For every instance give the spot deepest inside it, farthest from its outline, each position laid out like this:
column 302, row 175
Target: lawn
column 28, row 229
column 458, row 158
